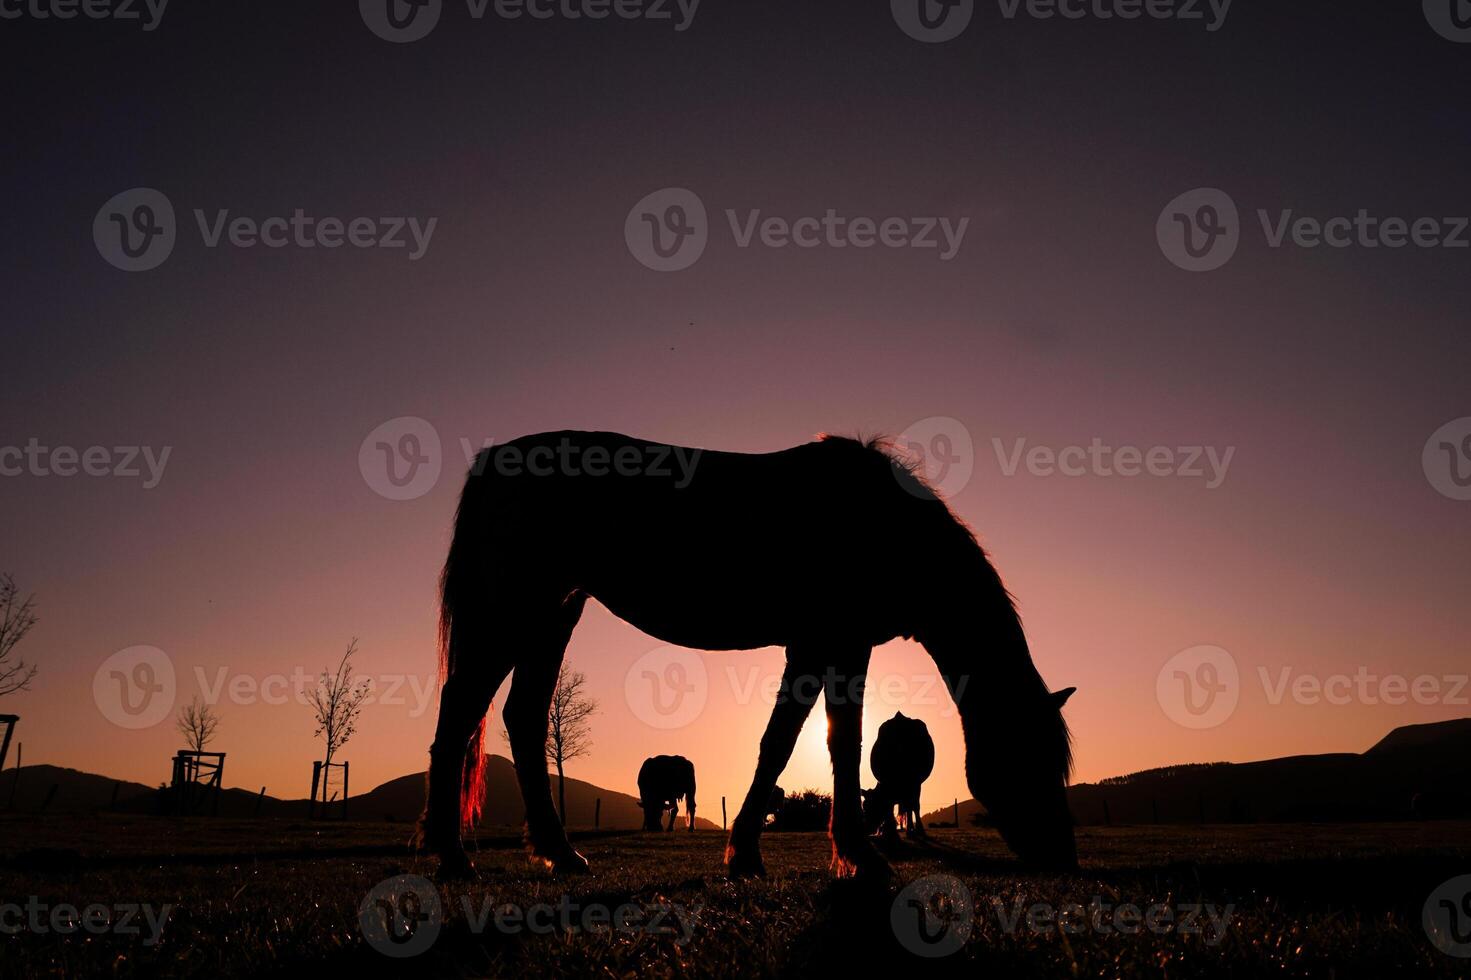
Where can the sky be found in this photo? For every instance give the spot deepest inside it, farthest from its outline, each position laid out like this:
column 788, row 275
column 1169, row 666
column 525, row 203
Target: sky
column 1326, row 541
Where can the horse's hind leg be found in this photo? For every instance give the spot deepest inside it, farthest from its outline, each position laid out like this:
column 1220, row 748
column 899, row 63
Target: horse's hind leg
column 853, row 852
column 540, row 647
column 476, row 672
column 793, row 704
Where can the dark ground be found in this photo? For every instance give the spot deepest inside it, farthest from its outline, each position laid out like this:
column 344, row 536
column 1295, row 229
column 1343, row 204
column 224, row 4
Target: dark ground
column 266, row 897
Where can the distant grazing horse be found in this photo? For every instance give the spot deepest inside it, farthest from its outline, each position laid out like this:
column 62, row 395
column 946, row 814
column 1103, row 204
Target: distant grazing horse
column 662, row 781
column 902, row 759
column 827, row 549
column 777, row 801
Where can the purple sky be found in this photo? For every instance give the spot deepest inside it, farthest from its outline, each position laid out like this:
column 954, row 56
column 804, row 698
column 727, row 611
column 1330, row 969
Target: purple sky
column 1325, row 550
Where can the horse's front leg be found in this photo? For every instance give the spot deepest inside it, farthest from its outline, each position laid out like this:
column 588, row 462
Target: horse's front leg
column 853, row 852
column 794, row 702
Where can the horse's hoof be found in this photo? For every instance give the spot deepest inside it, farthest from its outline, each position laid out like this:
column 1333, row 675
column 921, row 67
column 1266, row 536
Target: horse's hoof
column 864, row 864
column 745, row 866
column 875, row 871
column 455, row 868
column 568, row 862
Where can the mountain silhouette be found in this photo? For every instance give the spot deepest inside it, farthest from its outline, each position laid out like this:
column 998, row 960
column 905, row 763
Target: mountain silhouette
column 1428, row 763
column 400, row 799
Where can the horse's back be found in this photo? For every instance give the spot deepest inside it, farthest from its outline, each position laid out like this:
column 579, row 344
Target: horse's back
column 773, row 546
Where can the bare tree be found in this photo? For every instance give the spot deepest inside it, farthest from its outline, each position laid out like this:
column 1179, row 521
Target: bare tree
column 336, row 701
column 17, row 616
column 569, row 732
column 197, row 723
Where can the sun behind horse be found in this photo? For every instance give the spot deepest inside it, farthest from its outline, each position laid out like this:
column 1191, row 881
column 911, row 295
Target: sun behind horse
column 827, row 549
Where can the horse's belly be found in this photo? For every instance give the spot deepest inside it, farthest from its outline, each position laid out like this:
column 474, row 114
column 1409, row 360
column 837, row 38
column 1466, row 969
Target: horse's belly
column 710, row 618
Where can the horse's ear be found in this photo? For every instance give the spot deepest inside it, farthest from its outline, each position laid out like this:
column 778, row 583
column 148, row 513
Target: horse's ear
column 1060, row 697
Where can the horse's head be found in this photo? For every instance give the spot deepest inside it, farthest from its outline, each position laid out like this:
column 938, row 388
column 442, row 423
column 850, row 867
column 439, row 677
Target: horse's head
column 653, row 814
column 876, row 806
column 1017, row 762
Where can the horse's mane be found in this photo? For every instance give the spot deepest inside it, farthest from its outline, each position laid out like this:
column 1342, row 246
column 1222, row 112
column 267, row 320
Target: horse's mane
column 951, row 526
column 906, row 472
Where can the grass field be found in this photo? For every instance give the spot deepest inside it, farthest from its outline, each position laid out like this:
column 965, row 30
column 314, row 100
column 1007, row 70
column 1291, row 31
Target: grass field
column 259, row 898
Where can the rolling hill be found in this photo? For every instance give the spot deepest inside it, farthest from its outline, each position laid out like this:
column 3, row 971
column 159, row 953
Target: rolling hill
column 1431, row 762
column 399, row 799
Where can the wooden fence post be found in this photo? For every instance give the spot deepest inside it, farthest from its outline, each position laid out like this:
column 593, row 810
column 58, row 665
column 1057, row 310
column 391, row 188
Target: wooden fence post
column 344, row 790
column 316, row 775
column 722, row 813
column 957, row 813
column 20, row 749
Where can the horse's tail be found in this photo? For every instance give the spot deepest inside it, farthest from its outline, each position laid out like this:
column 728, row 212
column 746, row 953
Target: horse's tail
column 457, row 587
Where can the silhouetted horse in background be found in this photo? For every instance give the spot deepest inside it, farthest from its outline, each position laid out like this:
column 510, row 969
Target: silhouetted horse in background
column 827, row 549
column 902, row 758
column 777, row 801
column 662, row 781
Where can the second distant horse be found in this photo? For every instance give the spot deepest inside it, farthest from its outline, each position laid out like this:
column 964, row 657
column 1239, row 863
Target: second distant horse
column 902, row 759
column 663, row 781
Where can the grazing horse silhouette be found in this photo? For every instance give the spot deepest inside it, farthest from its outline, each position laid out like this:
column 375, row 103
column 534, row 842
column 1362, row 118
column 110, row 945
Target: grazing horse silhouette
column 662, row 781
column 902, row 758
column 774, row 805
column 827, row 549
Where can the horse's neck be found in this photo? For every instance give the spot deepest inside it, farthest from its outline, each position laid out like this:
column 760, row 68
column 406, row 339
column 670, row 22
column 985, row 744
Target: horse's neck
column 978, row 636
